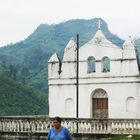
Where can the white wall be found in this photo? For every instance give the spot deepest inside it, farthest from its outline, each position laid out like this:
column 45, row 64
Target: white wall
column 120, row 83
column 117, row 96
column 57, row 100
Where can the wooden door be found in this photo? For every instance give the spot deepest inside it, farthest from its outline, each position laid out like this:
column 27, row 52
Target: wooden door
column 100, row 108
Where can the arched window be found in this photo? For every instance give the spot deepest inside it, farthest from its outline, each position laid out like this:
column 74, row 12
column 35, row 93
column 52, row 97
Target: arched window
column 91, row 64
column 105, row 64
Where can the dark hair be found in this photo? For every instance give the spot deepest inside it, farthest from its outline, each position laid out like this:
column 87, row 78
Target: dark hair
column 57, row 118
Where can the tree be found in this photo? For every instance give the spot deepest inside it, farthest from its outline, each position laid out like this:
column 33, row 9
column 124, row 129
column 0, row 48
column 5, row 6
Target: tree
column 24, row 74
column 13, row 72
column 4, row 68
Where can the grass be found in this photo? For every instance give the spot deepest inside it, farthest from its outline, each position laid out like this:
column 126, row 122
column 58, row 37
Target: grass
column 125, row 137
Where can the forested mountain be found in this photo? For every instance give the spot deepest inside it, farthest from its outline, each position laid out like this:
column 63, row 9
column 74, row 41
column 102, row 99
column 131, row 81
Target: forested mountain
column 18, row 99
column 26, row 61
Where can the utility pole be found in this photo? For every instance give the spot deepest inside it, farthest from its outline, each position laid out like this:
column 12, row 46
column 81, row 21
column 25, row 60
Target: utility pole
column 77, row 80
column 137, row 57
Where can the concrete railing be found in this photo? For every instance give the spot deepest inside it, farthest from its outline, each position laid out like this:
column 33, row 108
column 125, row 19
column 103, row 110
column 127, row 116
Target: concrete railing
column 31, row 124
column 42, row 124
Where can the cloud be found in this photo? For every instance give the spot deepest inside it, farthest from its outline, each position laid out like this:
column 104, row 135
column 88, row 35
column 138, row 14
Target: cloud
column 19, row 18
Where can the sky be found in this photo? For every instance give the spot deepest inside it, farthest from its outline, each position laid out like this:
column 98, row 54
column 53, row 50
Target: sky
column 19, row 18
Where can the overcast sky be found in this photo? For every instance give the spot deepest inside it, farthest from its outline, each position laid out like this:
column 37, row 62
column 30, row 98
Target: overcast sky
column 19, row 18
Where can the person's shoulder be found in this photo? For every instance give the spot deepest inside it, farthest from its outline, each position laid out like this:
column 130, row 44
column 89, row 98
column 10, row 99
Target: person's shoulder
column 65, row 129
column 52, row 129
column 67, row 132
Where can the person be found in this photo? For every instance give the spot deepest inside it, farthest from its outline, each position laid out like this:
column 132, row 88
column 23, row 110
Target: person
column 59, row 132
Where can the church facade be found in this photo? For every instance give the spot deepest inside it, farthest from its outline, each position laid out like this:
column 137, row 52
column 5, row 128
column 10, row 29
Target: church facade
column 109, row 82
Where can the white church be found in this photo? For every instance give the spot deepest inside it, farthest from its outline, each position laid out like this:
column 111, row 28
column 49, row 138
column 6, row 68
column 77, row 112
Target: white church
column 109, row 80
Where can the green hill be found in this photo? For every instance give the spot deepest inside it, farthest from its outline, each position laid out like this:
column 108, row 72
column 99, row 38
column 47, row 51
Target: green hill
column 18, row 99
column 26, row 61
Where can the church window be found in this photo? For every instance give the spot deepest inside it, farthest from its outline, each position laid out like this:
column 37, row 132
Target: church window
column 105, row 64
column 91, row 64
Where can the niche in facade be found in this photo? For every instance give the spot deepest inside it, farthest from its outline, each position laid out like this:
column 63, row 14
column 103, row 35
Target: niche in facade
column 130, row 104
column 69, row 105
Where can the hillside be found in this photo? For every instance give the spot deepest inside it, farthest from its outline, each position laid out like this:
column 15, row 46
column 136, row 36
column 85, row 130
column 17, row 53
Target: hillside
column 18, row 99
column 26, row 61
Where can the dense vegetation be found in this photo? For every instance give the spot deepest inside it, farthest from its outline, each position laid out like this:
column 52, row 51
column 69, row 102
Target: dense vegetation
column 26, row 61
column 18, row 99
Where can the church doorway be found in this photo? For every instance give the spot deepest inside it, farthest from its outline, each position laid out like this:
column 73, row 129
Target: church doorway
column 99, row 104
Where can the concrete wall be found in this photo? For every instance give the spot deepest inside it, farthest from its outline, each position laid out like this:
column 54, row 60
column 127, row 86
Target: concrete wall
column 121, row 83
column 43, row 136
column 118, row 93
